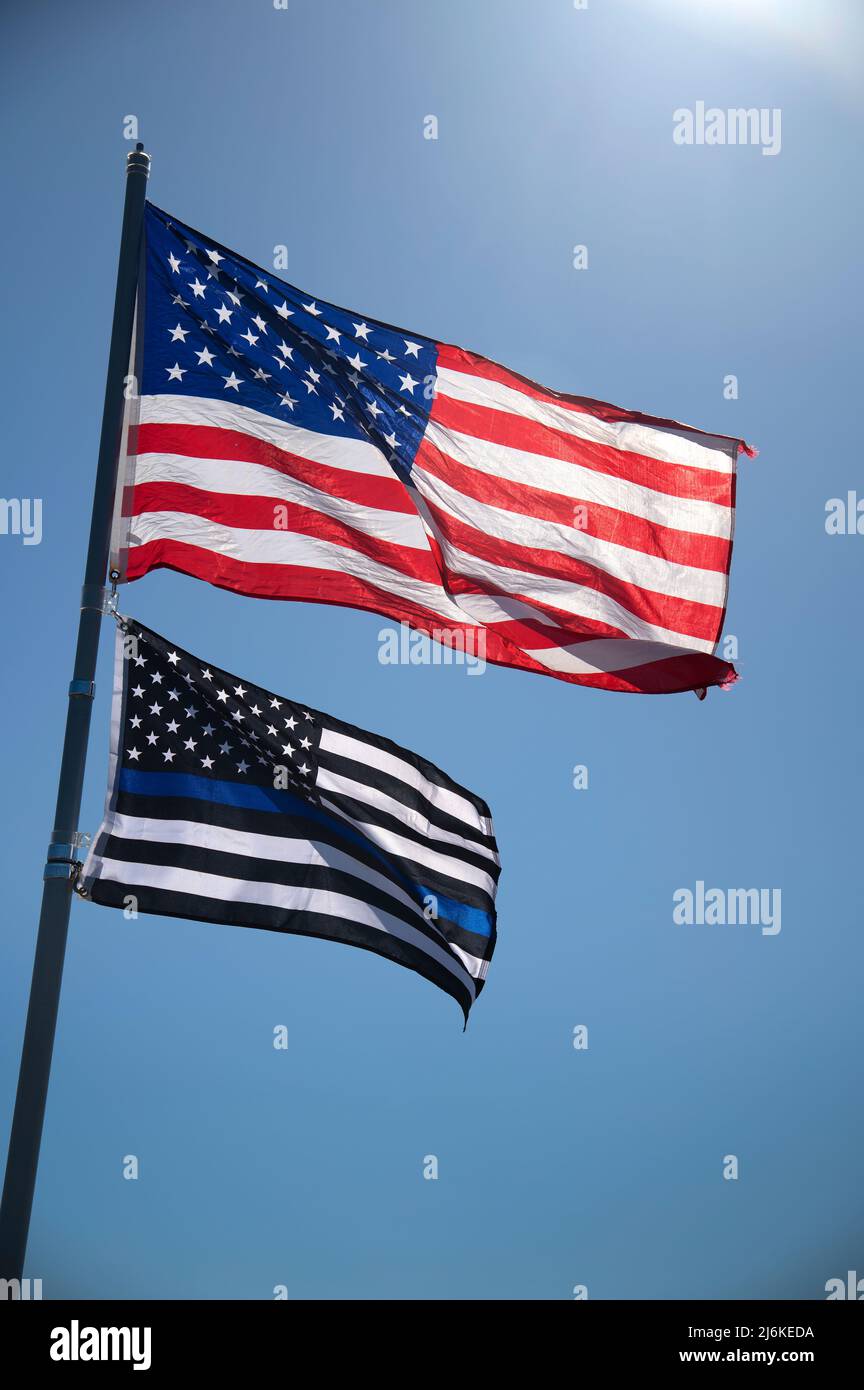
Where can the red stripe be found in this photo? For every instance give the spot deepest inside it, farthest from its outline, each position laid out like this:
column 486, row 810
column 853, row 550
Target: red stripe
column 692, row 619
column 260, row 514
column 517, row 432
column 206, row 442
column 327, row 586
column 459, row 360
column 605, row 523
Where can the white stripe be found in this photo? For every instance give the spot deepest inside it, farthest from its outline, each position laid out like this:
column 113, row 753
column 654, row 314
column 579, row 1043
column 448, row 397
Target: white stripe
column 440, row 797
column 276, row 895
column 371, row 796
column 605, row 655
column 392, row 843
column 680, row 445
column 336, row 451
column 583, row 484
column 252, row 845
column 632, row 566
column 291, row 548
column 234, row 477
column 570, row 597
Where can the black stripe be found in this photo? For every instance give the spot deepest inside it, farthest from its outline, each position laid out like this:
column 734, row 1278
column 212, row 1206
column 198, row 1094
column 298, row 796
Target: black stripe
column 372, row 815
column 402, row 792
column 165, row 903
column 254, row 870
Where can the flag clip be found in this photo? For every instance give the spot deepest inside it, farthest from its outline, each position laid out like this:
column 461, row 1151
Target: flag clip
column 100, row 599
column 61, row 860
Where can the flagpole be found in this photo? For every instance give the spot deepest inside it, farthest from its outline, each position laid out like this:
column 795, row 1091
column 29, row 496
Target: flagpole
column 38, row 1045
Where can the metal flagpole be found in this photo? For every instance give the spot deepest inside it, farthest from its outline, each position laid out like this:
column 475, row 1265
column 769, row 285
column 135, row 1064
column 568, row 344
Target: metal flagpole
column 35, row 1067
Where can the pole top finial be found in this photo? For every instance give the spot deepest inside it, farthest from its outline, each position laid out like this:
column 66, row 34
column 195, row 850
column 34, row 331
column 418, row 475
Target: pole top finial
column 138, row 161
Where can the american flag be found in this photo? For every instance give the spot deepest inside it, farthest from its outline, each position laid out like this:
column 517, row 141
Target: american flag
column 286, row 448
column 229, row 804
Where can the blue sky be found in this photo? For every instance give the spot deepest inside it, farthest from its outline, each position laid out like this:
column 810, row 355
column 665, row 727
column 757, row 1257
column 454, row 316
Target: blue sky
column 557, row 1167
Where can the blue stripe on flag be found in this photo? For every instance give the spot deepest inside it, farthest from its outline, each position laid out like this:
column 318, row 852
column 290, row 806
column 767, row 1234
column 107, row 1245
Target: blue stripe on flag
column 254, row 798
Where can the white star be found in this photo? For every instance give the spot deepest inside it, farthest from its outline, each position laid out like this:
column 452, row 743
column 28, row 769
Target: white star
column 242, row 766
column 313, row 390
column 232, row 382
column 152, row 738
column 225, row 748
column 287, row 400
column 250, row 337
column 222, row 695
column 179, row 334
column 215, row 257
column 312, row 308
column 191, row 744
column 408, row 383
column 362, row 330
column 286, row 351
column 357, row 362
column 197, row 288
column 411, row 349
column 386, row 356
column 205, row 358
column 138, row 690
column 288, row 750
column 275, row 704
column 291, row 723
column 134, row 754
column 179, row 301
column 271, row 730
column 207, row 762
column 173, row 694
column 333, row 335
column 173, row 726
column 259, row 323
column 391, row 440
column 284, row 312
column 174, row 263
column 261, row 285
column 191, row 711
column 176, row 373
column 304, row 769
column 135, row 721
column 374, row 409
column 237, row 715
column 234, row 297
column 156, row 678
column 313, row 376
column 239, row 691
column 173, row 658
column 337, row 413
column 304, row 743
column 260, row 374
column 168, row 755
column 207, row 729
column 223, row 313
column 254, row 710
column 155, row 709
column 207, row 674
